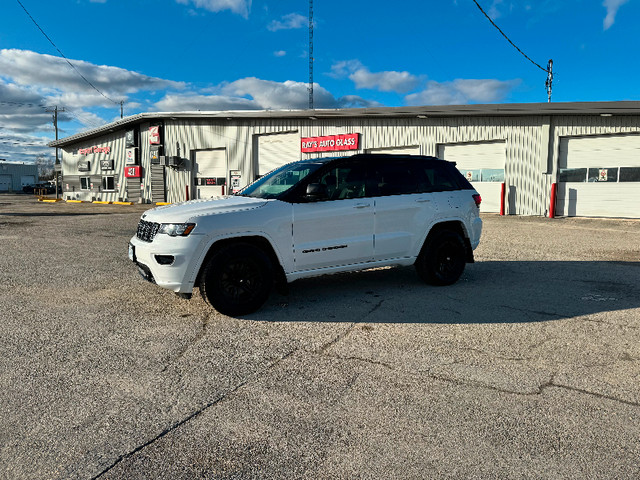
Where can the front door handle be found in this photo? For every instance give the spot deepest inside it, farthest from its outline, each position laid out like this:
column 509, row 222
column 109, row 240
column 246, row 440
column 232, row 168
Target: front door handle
column 362, row 205
column 423, row 200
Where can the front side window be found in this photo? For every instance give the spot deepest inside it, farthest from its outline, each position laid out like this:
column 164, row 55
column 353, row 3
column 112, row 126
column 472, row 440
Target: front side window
column 281, row 180
column 108, row 183
column 85, row 183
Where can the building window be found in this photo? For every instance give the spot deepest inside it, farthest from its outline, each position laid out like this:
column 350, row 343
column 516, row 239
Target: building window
column 85, row 183
column 108, row 183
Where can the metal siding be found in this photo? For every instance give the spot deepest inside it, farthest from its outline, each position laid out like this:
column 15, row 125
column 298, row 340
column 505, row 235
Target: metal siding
column 531, row 143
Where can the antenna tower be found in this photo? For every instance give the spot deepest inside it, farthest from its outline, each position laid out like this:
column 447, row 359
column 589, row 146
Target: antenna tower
column 310, row 55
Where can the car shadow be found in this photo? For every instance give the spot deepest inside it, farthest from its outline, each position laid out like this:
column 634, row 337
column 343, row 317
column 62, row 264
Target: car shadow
column 488, row 292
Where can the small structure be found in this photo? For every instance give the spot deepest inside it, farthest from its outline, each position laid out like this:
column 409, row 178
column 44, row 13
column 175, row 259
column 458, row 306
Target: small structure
column 14, row 176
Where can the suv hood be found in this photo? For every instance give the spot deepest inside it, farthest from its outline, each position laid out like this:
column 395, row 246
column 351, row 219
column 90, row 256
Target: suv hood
column 183, row 211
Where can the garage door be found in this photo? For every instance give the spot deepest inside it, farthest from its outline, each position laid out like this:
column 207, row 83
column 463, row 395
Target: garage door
column 27, row 180
column 277, row 150
column 5, row 183
column 599, row 176
column 482, row 163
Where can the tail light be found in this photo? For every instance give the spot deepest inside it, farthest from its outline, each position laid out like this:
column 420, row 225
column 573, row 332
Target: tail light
column 478, row 199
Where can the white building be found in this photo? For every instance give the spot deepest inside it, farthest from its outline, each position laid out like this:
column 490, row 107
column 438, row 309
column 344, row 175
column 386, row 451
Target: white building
column 512, row 153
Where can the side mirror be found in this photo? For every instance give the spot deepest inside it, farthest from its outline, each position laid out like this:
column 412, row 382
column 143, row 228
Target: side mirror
column 316, row 191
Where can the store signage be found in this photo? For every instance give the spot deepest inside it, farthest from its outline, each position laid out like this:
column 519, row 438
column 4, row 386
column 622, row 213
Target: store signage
column 210, row 181
column 330, row 143
column 96, row 149
column 131, row 156
column 84, row 165
column 130, row 138
column 235, row 176
column 154, row 135
column 132, row 172
column 603, row 175
column 154, row 154
column 106, row 164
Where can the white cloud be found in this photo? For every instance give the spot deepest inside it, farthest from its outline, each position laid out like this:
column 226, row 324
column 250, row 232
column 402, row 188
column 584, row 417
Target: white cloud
column 255, row 94
column 387, row 81
column 51, row 74
column 279, row 53
column 463, row 91
column 612, row 7
column 241, row 7
column 288, row 22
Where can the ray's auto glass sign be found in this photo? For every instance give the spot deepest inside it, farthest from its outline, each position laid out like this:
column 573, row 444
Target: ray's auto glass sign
column 330, row 143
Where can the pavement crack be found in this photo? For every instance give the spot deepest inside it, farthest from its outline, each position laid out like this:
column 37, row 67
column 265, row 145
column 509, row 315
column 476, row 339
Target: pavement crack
column 191, row 416
column 323, row 349
column 594, row 394
column 199, row 336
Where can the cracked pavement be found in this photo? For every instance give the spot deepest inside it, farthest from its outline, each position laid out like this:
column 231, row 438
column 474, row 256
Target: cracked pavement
column 529, row 367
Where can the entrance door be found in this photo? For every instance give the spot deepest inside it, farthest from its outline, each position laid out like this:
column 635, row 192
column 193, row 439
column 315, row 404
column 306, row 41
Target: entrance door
column 210, row 171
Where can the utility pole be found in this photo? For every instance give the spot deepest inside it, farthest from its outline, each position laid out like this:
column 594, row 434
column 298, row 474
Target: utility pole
column 310, row 55
column 121, row 108
column 55, row 126
column 549, row 80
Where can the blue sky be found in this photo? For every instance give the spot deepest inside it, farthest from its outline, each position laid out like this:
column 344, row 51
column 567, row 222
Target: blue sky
column 177, row 55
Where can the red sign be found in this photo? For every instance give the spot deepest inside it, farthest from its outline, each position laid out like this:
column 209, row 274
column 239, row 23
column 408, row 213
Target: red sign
column 154, row 135
column 96, row 149
column 132, row 172
column 330, row 143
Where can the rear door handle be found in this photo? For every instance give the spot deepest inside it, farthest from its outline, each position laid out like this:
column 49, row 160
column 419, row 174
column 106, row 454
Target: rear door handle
column 423, row 200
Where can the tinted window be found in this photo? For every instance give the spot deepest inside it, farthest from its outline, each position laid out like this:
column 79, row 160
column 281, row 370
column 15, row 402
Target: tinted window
column 279, row 181
column 399, row 177
column 344, row 181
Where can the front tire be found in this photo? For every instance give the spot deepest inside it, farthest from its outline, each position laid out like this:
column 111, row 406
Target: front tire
column 442, row 259
column 237, row 279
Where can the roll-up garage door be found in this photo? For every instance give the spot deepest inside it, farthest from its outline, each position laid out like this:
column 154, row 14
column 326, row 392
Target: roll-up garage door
column 5, row 183
column 599, row 176
column 482, row 163
column 277, row 150
column 27, row 180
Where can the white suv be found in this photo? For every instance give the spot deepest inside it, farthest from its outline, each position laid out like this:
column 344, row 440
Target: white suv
column 309, row 218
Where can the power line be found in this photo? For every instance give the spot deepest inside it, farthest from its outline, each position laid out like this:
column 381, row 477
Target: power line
column 508, row 39
column 63, row 55
column 548, row 70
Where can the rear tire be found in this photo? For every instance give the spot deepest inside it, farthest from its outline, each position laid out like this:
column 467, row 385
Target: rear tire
column 442, row 259
column 237, row 279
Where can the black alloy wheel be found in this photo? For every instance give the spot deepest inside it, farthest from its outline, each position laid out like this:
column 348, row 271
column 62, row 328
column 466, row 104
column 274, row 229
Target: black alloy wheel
column 237, row 279
column 442, row 259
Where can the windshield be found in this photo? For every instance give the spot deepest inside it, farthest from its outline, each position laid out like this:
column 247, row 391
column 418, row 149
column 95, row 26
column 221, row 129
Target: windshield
column 280, row 180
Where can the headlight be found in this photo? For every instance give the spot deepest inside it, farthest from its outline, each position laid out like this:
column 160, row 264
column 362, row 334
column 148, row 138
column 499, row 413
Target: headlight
column 176, row 229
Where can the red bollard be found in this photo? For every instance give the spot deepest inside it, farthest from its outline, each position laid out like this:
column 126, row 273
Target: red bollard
column 502, row 199
column 552, row 206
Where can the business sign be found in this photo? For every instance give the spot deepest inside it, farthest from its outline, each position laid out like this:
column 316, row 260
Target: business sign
column 330, row 143
column 603, row 175
column 84, row 165
column 106, row 164
column 95, row 149
column 154, row 135
column 131, row 156
column 132, row 172
column 130, row 138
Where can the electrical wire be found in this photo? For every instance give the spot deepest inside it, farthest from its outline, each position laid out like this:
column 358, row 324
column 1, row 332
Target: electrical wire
column 508, row 39
column 63, row 55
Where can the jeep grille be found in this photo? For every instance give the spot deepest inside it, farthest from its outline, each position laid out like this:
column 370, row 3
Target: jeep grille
column 147, row 230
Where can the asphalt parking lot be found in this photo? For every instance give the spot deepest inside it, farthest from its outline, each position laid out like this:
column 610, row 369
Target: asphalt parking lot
column 528, row 367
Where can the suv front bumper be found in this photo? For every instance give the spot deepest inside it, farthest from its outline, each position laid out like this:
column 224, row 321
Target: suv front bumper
column 151, row 257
